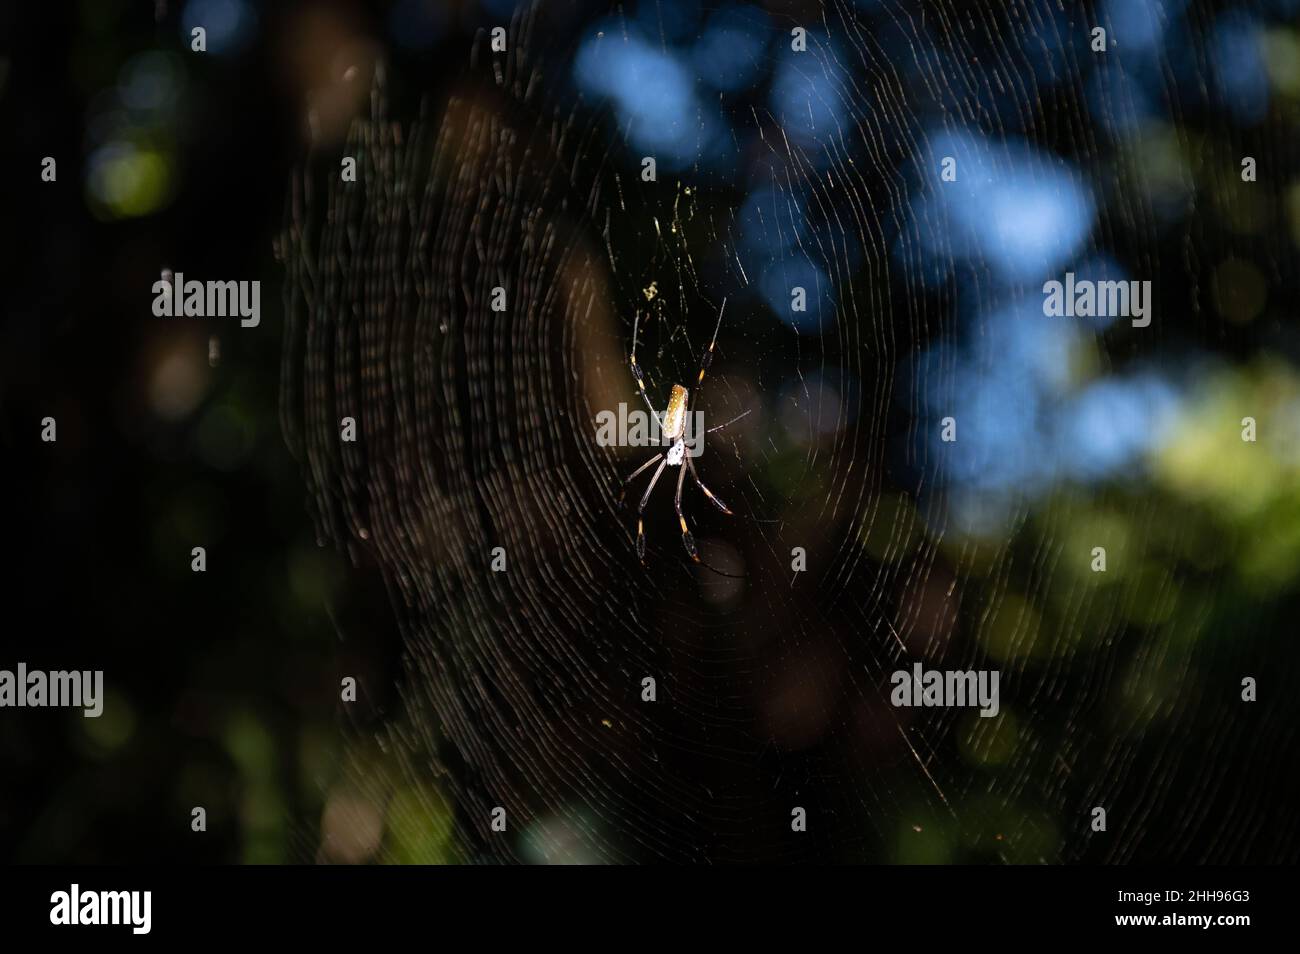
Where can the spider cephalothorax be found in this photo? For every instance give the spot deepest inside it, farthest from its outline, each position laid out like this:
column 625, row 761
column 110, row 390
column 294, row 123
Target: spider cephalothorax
column 672, row 426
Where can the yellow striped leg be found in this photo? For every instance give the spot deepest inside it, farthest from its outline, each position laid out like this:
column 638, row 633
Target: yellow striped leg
column 688, row 541
column 717, row 501
column 640, row 521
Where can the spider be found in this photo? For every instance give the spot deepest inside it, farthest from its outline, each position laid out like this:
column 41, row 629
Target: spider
column 672, row 425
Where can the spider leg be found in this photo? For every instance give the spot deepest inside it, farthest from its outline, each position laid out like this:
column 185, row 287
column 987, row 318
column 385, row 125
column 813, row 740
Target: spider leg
column 732, row 421
column 635, row 474
column 707, row 358
column 688, row 541
column 645, row 499
column 636, row 373
column 717, row 502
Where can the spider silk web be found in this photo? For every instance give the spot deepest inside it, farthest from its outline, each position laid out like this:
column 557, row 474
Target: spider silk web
column 523, row 688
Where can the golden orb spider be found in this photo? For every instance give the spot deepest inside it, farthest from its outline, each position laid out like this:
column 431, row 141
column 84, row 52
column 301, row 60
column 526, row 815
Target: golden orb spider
column 672, row 425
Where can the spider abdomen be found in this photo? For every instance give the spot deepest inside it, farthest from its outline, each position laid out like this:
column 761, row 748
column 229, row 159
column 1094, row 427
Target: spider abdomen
column 675, row 416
